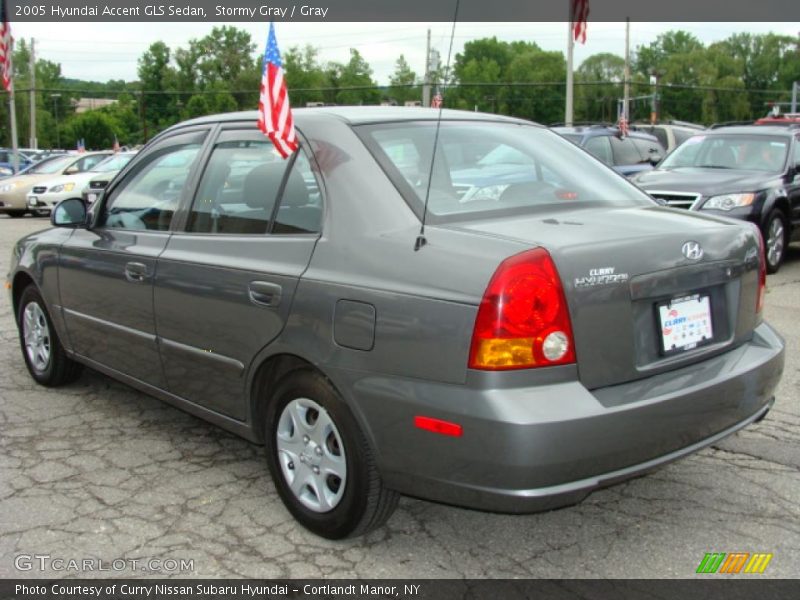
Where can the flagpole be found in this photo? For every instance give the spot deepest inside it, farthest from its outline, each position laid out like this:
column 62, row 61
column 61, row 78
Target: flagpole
column 570, row 46
column 12, row 110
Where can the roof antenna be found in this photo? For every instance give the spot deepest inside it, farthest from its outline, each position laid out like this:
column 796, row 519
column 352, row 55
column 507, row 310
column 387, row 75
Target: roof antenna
column 421, row 241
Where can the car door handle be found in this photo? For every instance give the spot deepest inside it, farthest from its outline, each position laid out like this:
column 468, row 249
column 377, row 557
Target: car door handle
column 135, row 272
column 265, row 293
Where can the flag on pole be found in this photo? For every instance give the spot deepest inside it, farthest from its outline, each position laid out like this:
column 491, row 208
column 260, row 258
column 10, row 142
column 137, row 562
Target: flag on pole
column 115, row 147
column 436, row 101
column 624, row 130
column 580, row 14
column 274, row 113
column 6, row 46
column 80, row 146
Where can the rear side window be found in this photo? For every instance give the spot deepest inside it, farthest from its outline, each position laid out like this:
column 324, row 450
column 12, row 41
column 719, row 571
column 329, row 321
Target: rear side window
column 625, row 152
column 681, row 135
column 601, row 148
column 241, row 184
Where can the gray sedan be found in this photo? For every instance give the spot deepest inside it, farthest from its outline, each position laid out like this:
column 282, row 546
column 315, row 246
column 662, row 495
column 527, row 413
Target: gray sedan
column 473, row 311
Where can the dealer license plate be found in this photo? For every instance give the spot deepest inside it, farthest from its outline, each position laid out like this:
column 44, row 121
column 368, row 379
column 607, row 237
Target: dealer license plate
column 685, row 323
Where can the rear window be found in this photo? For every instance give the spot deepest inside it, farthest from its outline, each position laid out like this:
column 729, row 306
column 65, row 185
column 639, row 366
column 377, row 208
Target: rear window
column 482, row 169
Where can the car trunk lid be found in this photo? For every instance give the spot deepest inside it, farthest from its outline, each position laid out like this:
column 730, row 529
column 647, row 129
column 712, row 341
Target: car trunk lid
column 619, row 266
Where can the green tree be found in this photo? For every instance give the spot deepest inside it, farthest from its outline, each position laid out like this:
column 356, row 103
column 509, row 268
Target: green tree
column 599, row 83
column 403, row 82
column 95, row 127
column 355, row 74
column 304, row 73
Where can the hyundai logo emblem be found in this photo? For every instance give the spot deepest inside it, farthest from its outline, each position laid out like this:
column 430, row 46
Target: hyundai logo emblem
column 692, row 251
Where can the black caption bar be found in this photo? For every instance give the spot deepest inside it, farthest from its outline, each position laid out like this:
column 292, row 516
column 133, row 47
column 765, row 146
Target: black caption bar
column 400, row 10
column 422, row 589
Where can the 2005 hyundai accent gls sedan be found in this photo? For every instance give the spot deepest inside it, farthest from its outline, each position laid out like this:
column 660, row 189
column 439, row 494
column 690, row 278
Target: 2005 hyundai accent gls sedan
column 552, row 331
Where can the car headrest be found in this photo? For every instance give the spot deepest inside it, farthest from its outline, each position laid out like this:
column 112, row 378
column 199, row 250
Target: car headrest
column 261, row 185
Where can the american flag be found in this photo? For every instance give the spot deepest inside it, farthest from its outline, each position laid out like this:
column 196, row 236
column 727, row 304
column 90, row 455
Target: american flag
column 80, row 146
column 6, row 43
column 436, row 101
column 274, row 113
column 579, row 14
column 624, row 130
column 115, row 147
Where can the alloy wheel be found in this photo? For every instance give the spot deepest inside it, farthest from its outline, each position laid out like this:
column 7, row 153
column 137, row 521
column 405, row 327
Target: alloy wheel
column 36, row 334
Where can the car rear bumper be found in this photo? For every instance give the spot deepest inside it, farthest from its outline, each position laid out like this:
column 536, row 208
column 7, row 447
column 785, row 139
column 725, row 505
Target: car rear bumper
column 538, row 448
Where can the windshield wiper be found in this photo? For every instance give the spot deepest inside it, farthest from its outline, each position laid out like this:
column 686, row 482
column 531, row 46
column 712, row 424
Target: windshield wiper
column 713, row 167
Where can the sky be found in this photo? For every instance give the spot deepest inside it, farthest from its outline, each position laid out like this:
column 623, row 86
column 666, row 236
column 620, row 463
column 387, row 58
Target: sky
column 103, row 51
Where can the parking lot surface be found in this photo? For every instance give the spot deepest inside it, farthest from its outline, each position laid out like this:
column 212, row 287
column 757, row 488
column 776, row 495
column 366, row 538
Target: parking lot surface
column 98, row 471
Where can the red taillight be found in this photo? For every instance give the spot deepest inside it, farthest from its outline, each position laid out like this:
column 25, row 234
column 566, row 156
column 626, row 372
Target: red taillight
column 523, row 320
column 762, row 273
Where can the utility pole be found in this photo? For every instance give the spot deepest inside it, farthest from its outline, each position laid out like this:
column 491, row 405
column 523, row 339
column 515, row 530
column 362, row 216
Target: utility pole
column 426, row 84
column 626, row 102
column 33, row 142
column 56, row 98
column 794, row 97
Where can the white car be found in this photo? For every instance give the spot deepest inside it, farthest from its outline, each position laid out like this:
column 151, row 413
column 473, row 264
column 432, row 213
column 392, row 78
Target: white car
column 45, row 195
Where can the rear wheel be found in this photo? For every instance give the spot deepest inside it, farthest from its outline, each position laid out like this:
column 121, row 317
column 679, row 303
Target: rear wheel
column 16, row 214
column 45, row 357
column 320, row 461
column 775, row 240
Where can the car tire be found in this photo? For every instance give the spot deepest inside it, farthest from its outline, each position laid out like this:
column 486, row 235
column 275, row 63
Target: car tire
column 45, row 357
column 41, row 213
column 320, row 461
column 776, row 238
column 16, row 214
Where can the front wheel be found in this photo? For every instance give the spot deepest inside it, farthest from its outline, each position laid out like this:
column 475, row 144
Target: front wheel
column 320, row 461
column 45, row 357
column 775, row 240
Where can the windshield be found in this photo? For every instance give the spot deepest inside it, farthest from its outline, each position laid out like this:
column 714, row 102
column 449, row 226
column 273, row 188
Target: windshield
column 112, row 163
column 486, row 168
column 747, row 152
column 51, row 166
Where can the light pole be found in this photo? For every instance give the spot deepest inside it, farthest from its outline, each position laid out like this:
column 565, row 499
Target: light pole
column 55, row 98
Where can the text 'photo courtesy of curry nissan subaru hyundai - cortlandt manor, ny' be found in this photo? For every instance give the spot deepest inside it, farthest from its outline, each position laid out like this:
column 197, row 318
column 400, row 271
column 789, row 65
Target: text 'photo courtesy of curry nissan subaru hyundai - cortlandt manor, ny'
column 455, row 306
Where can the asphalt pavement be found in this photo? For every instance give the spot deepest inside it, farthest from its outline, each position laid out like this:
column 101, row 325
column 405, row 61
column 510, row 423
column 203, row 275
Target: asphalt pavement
column 98, row 472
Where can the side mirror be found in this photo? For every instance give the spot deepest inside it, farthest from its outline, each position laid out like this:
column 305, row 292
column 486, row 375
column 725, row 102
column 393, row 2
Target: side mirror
column 69, row 213
column 71, row 170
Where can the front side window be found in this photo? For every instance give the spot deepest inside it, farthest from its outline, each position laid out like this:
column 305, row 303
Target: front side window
column 483, row 169
column 149, row 195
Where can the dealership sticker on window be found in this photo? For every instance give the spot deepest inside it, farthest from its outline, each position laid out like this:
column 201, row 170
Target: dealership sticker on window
column 685, row 323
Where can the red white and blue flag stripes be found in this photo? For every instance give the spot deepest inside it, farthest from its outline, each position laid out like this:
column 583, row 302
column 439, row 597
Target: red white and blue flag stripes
column 274, row 112
column 6, row 46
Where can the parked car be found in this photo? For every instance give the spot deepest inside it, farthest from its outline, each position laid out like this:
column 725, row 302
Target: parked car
column 14, row 190
column 382, row 334
column 748, row 172
column 7, row 160
column 627, row 155
column 671, row 134
column 45, row 195
column 111, row 166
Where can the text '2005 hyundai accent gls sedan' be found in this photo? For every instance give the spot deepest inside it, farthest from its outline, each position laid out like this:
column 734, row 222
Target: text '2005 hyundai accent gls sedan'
column 551, row 331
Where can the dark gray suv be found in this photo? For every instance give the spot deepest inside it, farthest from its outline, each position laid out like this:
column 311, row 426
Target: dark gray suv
column 550, row 330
